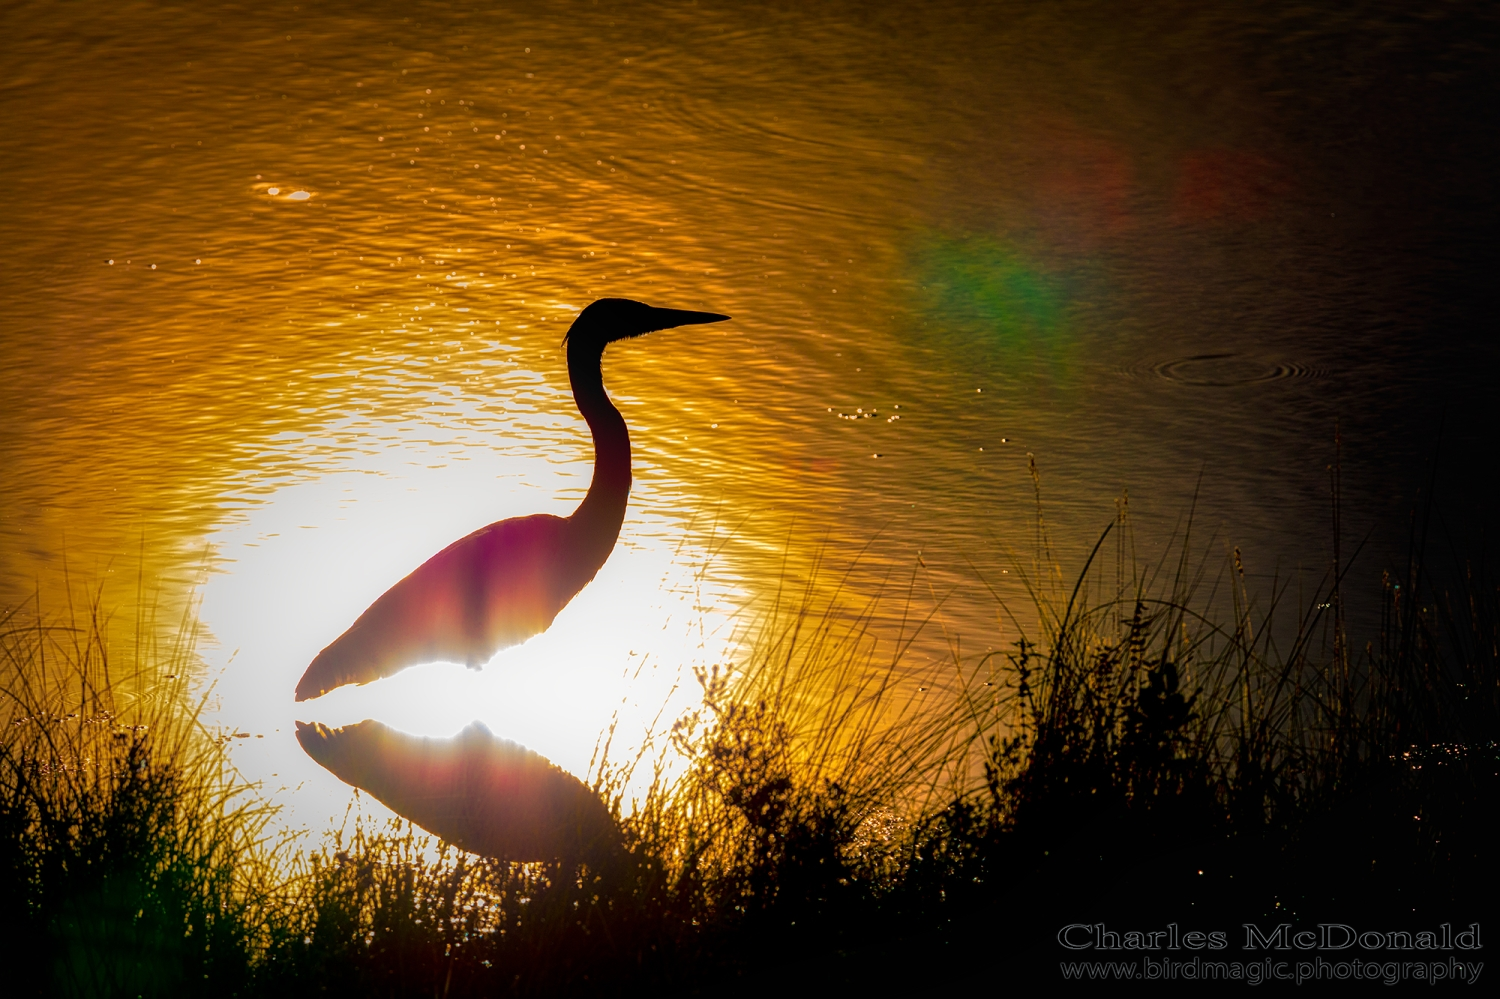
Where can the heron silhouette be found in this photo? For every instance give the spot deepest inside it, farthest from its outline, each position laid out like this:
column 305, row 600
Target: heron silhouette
column 506, row 582
column 486, row 795
column 486, row 592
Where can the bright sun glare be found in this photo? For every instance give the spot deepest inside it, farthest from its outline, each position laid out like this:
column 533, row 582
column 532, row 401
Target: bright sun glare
column 296, row 569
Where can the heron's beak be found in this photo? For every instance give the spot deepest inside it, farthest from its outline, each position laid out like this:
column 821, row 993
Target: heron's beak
column 665, row 319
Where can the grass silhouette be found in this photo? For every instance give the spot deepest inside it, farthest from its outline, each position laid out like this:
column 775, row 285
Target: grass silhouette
column 1161, row 750
column 130, row 855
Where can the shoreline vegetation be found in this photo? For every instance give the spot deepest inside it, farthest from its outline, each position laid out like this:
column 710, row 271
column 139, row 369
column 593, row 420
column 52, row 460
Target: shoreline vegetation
column 1162, row 752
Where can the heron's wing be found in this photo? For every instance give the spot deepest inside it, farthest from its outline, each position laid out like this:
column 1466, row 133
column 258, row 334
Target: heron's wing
column 485, row 592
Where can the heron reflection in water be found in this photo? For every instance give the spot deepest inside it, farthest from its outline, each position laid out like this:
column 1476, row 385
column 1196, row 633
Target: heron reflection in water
column 486, row 592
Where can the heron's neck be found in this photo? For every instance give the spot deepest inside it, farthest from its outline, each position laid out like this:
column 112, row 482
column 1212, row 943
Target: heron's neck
column 603, row 509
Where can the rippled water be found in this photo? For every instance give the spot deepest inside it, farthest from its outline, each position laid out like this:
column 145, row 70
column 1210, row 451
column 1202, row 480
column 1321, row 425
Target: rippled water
column 286, row 283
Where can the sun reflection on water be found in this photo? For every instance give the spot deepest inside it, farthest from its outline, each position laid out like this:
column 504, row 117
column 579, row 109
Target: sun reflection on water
column 297, row 568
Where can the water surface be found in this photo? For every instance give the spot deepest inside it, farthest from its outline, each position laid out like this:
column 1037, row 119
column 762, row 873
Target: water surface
column 286, row 285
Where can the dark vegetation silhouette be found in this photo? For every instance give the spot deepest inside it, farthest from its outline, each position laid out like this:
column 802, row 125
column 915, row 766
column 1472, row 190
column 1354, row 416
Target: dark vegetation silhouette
column 488, row 591
column 1162, row 750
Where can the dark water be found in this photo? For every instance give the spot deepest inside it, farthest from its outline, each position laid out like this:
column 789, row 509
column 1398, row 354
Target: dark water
column 1165, row 249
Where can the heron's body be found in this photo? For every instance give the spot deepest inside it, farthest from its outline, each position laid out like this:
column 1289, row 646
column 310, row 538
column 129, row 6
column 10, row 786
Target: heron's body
column 485, row 592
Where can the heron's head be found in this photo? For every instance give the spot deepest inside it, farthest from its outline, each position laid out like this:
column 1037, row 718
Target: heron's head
column 611, row 319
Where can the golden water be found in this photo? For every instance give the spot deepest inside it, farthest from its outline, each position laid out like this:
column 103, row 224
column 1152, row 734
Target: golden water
column 285, row 286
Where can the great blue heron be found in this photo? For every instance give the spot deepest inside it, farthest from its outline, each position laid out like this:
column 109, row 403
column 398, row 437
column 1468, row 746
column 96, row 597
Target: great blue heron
column 506, row 582
column 485, row 592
